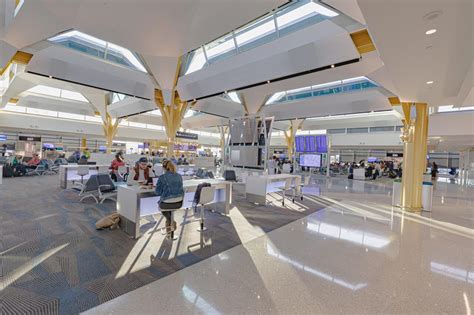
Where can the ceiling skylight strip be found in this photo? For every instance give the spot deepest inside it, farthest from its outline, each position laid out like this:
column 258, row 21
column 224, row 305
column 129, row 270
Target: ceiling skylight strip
column 74, row 39
column 258, row 32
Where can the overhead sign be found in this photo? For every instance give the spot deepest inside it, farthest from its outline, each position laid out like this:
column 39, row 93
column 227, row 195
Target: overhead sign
column 394, row 154
column 29, row 138
column 186, row 135
column 3, row 138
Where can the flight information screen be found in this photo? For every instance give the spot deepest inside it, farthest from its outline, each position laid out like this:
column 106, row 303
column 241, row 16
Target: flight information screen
column 310, row 160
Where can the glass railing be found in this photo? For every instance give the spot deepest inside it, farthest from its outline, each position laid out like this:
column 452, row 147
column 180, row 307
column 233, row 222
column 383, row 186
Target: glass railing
column 291, row 17
column 330, row 88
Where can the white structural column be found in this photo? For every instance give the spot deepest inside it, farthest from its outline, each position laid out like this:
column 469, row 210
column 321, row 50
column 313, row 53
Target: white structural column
column 328, row 156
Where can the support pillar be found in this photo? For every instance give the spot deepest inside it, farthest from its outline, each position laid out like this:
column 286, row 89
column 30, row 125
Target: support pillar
column 83, row 143
column 415, row 139
column 172, row 115
column 290, row 137
column 110, row 126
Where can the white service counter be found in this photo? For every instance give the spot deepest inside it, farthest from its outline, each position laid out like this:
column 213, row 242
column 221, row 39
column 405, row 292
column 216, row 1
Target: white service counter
column 68, row 173
column 134, row 202
column 359, row 173
column 257, row 187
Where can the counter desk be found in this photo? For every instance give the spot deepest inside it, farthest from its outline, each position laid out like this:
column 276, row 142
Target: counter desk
column 257, row 187
column 134, row 202
column 68, row 173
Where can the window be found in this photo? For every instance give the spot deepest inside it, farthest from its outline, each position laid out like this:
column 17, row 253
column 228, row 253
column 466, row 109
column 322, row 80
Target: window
column 290, row 17
column 55, row 92
column 295, row 17
column 196, row 60
column 357, row 130
column 382, row 129
column 19, row 4
column 334, row 87
column 263, row 30
column 451, row 108
column 336, row 131
column 98, row 48
column 14, row 108
column 234, row 97
column 96, row 119
column 220, row 48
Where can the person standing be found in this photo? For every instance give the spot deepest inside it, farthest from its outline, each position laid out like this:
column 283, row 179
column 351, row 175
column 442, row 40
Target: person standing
column 434, row 170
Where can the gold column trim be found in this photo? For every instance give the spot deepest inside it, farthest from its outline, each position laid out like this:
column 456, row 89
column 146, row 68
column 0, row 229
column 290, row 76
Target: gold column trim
column 19, row 57
column 394, row 100
column 415, row 139
column 363, row 41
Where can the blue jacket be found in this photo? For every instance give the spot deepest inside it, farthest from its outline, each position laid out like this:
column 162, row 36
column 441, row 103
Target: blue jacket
column 169, row 185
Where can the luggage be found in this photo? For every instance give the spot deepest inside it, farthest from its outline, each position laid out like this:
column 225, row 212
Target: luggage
column 8, row 171
column 351, row 176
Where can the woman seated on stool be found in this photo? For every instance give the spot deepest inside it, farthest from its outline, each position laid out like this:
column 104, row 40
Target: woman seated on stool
column 140, row 173
column 169, row 186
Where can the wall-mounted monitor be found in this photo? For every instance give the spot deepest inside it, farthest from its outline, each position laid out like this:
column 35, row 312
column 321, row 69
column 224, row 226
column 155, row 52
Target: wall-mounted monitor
column 310, row 160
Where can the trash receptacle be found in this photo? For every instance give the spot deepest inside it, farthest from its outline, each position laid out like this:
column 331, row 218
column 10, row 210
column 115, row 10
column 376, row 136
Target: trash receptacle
column 427, row 177
column 397, row 192
column 427, row 196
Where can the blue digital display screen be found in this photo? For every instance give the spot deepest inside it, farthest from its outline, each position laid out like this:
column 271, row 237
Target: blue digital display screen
column 310, row 144
column 321, row 143
column 299, row 142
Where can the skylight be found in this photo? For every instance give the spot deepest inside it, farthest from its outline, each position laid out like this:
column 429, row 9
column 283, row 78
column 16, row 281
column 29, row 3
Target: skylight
column 335, row 87
column 60, row 93
column 98, row 48
column 19, row 5
column 295, row 15
column 451, row 108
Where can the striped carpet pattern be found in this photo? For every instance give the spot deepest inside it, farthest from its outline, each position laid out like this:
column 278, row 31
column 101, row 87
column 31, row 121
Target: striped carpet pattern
column 54, row 261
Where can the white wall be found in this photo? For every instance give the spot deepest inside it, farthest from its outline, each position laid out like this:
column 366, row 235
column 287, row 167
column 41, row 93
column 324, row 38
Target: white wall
column 452, row 124
column 38, row 123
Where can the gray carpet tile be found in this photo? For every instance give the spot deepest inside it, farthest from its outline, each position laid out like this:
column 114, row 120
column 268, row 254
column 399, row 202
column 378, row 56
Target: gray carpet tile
column 54, row 261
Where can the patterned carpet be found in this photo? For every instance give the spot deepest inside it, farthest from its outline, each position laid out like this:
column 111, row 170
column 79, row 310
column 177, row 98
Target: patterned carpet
column 53, row 261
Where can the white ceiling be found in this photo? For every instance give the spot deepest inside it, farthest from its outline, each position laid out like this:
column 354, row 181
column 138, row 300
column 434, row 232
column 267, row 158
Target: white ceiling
column 160, row 30
column 411, row 57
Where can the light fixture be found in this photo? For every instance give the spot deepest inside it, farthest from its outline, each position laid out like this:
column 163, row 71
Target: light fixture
column 429, row 82
column 431, row 31
column 332, row 66
column 268, row 81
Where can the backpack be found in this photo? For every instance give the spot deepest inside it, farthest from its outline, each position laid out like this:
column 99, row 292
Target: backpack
column 197, row 195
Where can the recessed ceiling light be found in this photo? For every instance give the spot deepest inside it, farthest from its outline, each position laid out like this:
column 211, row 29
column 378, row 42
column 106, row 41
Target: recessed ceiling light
column 431, row 31
column 429, row 82
column 332, row 66
column 268, row 81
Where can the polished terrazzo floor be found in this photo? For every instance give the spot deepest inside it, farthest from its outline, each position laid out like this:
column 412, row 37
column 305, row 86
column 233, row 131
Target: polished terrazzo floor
column 53, row 261
column 358, row 255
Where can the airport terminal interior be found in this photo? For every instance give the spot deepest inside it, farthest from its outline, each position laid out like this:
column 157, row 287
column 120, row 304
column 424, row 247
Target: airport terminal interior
column 236, row 157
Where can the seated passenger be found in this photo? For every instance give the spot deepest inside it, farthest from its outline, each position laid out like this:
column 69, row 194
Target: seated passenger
column 33, row 163
column 169, row 186
column 140, row 173
column 114, row 166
